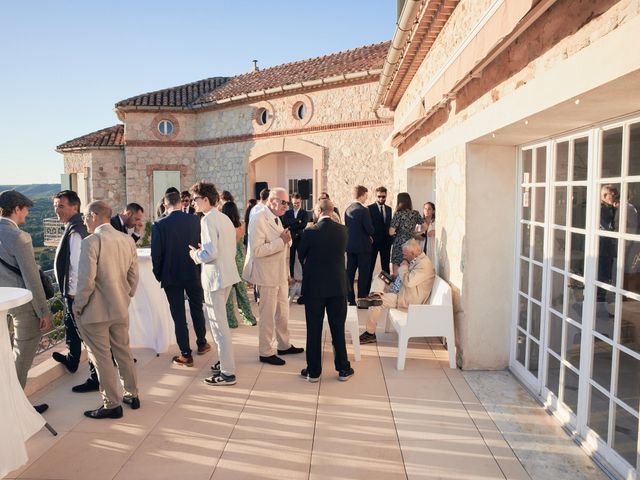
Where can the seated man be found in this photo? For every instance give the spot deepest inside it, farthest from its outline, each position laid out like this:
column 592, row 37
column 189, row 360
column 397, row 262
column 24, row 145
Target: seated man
column 412, row 286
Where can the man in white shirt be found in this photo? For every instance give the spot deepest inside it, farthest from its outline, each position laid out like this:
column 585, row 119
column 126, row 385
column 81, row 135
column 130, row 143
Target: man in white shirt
column 130, row 218
column 266, row 266
column 66, row 204
column 260, row 206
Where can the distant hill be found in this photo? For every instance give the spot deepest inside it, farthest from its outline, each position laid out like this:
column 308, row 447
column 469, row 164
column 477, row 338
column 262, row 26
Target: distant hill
column 35, row 190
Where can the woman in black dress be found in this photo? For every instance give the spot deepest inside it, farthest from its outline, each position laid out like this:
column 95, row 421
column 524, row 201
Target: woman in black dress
column 403, row 227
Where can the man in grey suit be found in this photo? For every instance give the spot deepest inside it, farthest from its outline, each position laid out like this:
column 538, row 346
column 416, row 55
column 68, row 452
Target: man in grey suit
column 18, row 268
column 107, row 279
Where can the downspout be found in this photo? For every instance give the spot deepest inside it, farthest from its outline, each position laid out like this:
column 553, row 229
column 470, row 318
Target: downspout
column 405, row 24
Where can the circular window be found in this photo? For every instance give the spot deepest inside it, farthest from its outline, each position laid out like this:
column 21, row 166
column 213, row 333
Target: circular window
column 165, row 127
column 299, row 110
column 263, row 116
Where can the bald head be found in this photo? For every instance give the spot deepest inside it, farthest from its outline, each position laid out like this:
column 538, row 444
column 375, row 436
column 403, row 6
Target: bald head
column 97, row 213
column 324, row 207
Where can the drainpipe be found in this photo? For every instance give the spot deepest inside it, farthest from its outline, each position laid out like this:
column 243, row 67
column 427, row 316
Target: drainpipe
column 408, row 19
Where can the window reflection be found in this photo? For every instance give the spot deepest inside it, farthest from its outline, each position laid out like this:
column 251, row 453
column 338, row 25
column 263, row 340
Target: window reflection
column 578, row 207
column 526, row 166
column 575, row 300
column 534, row 351
column 580, row 158
column 633, row 207
column 540, row 204
column 631, row 279
column 541, row 164
column 625, row 437
column 555, row 333
column 576, row 261
column 520, row 348
column 558, row 249
column 560, row 214
column 628, row 380
column 630, row 324
column 562, row 155
column 611, row 152
column 602, row 358
column 522, row 312
column 536, row 286
column 572, row 346
column 570, row 389
column 526, row 239
column 553, row 375
column 607, row 255
column 599, row 413
column 605, row 309
column 526, row 203
column 538, row 243
column 557, row 291
column 634, row 149
column 534, row 329
column 524, row 276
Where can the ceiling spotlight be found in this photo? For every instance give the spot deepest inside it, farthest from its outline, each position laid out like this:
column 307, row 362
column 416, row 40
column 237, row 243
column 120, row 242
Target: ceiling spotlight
column 526, row 122
column 493, row 135
column 577, row 101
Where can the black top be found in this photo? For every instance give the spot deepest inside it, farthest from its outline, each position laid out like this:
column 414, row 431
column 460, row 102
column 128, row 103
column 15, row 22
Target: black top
column 381, row 236
column 119, row 226
column 170, row 240
column 321, row 253
column 358, row 221
column 295, row 225
column 63, row 255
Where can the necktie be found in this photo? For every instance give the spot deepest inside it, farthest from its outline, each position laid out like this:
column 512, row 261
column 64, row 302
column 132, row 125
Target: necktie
column 277, row 222
column 382, row 212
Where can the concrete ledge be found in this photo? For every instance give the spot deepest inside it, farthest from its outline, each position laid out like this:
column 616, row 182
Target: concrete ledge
column 46, row 372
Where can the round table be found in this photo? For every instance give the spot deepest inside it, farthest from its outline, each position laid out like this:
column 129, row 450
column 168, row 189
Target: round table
column 18, row 418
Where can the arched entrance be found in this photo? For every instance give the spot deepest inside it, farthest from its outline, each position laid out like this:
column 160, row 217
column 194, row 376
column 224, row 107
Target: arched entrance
column 285, row 163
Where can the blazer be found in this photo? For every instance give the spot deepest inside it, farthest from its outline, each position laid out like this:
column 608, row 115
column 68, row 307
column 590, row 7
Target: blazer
column 358, row 221
column 381, row 236
column 218, row 252
column 16, row 249
column 295, row 225
column 107, row 277
column 266, row 261
column 119, row 226
column 417, row 281
column 170, row 240
column 321, row 253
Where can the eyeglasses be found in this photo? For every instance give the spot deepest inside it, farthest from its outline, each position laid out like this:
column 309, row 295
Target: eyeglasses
column 284, row 202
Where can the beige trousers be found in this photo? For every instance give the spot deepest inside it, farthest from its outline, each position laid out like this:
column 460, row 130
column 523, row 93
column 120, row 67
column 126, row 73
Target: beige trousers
column 26, row 326
column 101, row 340
column 274, row 315
column 389, row 300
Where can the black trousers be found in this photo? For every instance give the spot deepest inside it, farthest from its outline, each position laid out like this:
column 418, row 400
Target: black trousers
column 195, row 296
column 292, row 255
column 314, row 309
column 385, row 258
column 362, row 263
column 73, row 340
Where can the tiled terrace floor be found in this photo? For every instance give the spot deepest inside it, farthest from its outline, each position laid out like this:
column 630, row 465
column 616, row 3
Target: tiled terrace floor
column 425, row 422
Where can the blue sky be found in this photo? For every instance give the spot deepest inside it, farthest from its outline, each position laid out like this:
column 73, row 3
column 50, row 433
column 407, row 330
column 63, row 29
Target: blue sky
column 65, row 64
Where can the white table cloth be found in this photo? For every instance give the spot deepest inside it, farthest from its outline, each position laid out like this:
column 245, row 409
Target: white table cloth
column 150, row 322
column 18, row 420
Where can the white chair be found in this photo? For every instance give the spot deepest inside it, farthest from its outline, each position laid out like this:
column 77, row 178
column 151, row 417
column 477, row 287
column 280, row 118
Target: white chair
column 351, row 326
column 434, row 319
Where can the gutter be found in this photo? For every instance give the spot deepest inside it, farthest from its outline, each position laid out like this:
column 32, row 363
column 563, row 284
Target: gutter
column 404, row 26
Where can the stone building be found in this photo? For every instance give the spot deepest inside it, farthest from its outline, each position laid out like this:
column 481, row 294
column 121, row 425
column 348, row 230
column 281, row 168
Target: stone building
column 310, row 121
column 522, row 118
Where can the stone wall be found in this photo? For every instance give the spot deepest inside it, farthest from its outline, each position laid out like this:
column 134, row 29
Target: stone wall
column 226, row 166
column 77, row 162
column 141, row 126
column 107, row 177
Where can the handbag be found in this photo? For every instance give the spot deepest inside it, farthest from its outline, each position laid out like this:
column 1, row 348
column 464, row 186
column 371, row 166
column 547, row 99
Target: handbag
column 49, row 291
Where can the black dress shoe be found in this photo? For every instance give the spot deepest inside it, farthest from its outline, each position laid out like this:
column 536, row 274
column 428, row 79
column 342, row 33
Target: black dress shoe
column 291, row 350
column 300, row 300
column 304, row 373
column 344, row 375
column 133, row 402
column 89, row 386
column 272, row 360
column 43, row 407
column 115, row 412
column 64, row 360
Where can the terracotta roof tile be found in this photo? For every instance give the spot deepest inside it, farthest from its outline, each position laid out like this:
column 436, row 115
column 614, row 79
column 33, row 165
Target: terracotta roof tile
column 180, row 96
column 349, row 61
column 107, row 137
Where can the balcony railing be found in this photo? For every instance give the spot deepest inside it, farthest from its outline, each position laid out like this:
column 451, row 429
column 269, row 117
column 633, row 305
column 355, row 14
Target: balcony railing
column 53, row 230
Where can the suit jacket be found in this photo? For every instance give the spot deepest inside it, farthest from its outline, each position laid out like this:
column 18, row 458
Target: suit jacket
column 295, row 225
column 381, row 236
column 417, row 281
column 107, row 277
column 358, row 221
column 170, row 240
column 218, row 252
column 16, row 249
column 321, row 253
column 119, row 226
column 266, row 262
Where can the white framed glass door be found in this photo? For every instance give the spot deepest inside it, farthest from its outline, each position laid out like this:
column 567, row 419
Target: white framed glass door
column 576, row 326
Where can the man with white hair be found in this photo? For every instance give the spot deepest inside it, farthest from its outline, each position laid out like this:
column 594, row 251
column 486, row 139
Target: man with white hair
column 267, row 267
column 412, row 286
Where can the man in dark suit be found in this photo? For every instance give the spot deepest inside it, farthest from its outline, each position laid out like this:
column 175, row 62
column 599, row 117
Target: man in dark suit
column 324, row 287
column 131, row 217
column 381, row 219
column 295, row 219
column 67, row 207
column 358, row 221
column 171, row 237
column 185, row 202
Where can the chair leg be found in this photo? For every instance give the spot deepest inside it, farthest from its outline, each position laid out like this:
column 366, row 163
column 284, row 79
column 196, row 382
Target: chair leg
column 355, row 339
column 403, row 340
column 451, row 350
column 51, row 429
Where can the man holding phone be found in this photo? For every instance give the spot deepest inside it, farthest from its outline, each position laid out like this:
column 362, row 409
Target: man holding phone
column 267, row 267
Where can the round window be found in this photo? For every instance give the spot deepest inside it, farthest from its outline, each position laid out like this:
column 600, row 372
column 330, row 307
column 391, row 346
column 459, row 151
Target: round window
column 263, row 116
column 300, row 110
column 165, row 127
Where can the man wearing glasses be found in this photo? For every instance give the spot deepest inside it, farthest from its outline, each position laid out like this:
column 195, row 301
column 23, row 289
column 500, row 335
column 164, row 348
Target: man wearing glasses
column 381, row 219
column 267, row 267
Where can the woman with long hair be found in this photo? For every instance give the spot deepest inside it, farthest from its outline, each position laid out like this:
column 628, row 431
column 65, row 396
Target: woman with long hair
column 403, row 227
column 230, row 209
column 429, row 230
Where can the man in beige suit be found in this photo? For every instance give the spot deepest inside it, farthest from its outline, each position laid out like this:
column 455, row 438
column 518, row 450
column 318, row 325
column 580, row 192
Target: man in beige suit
column 267, row 266
column 107, row 279
column 412, row 286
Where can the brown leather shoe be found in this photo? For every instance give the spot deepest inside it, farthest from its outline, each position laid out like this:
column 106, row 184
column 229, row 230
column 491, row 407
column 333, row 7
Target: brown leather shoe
column 202, row 349
column 185, row 361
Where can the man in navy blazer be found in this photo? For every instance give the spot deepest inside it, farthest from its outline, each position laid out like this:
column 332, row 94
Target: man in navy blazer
column 360, row 229
column 295, row 219
column 172, row 266
column 381, row 218
column 324, row 287
column 131, row 217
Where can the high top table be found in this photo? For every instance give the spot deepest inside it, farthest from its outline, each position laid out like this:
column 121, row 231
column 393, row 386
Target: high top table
column 18, row 418
column 150, row 322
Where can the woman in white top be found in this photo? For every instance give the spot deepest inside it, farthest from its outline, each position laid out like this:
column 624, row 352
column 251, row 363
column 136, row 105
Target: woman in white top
column 429, row 230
